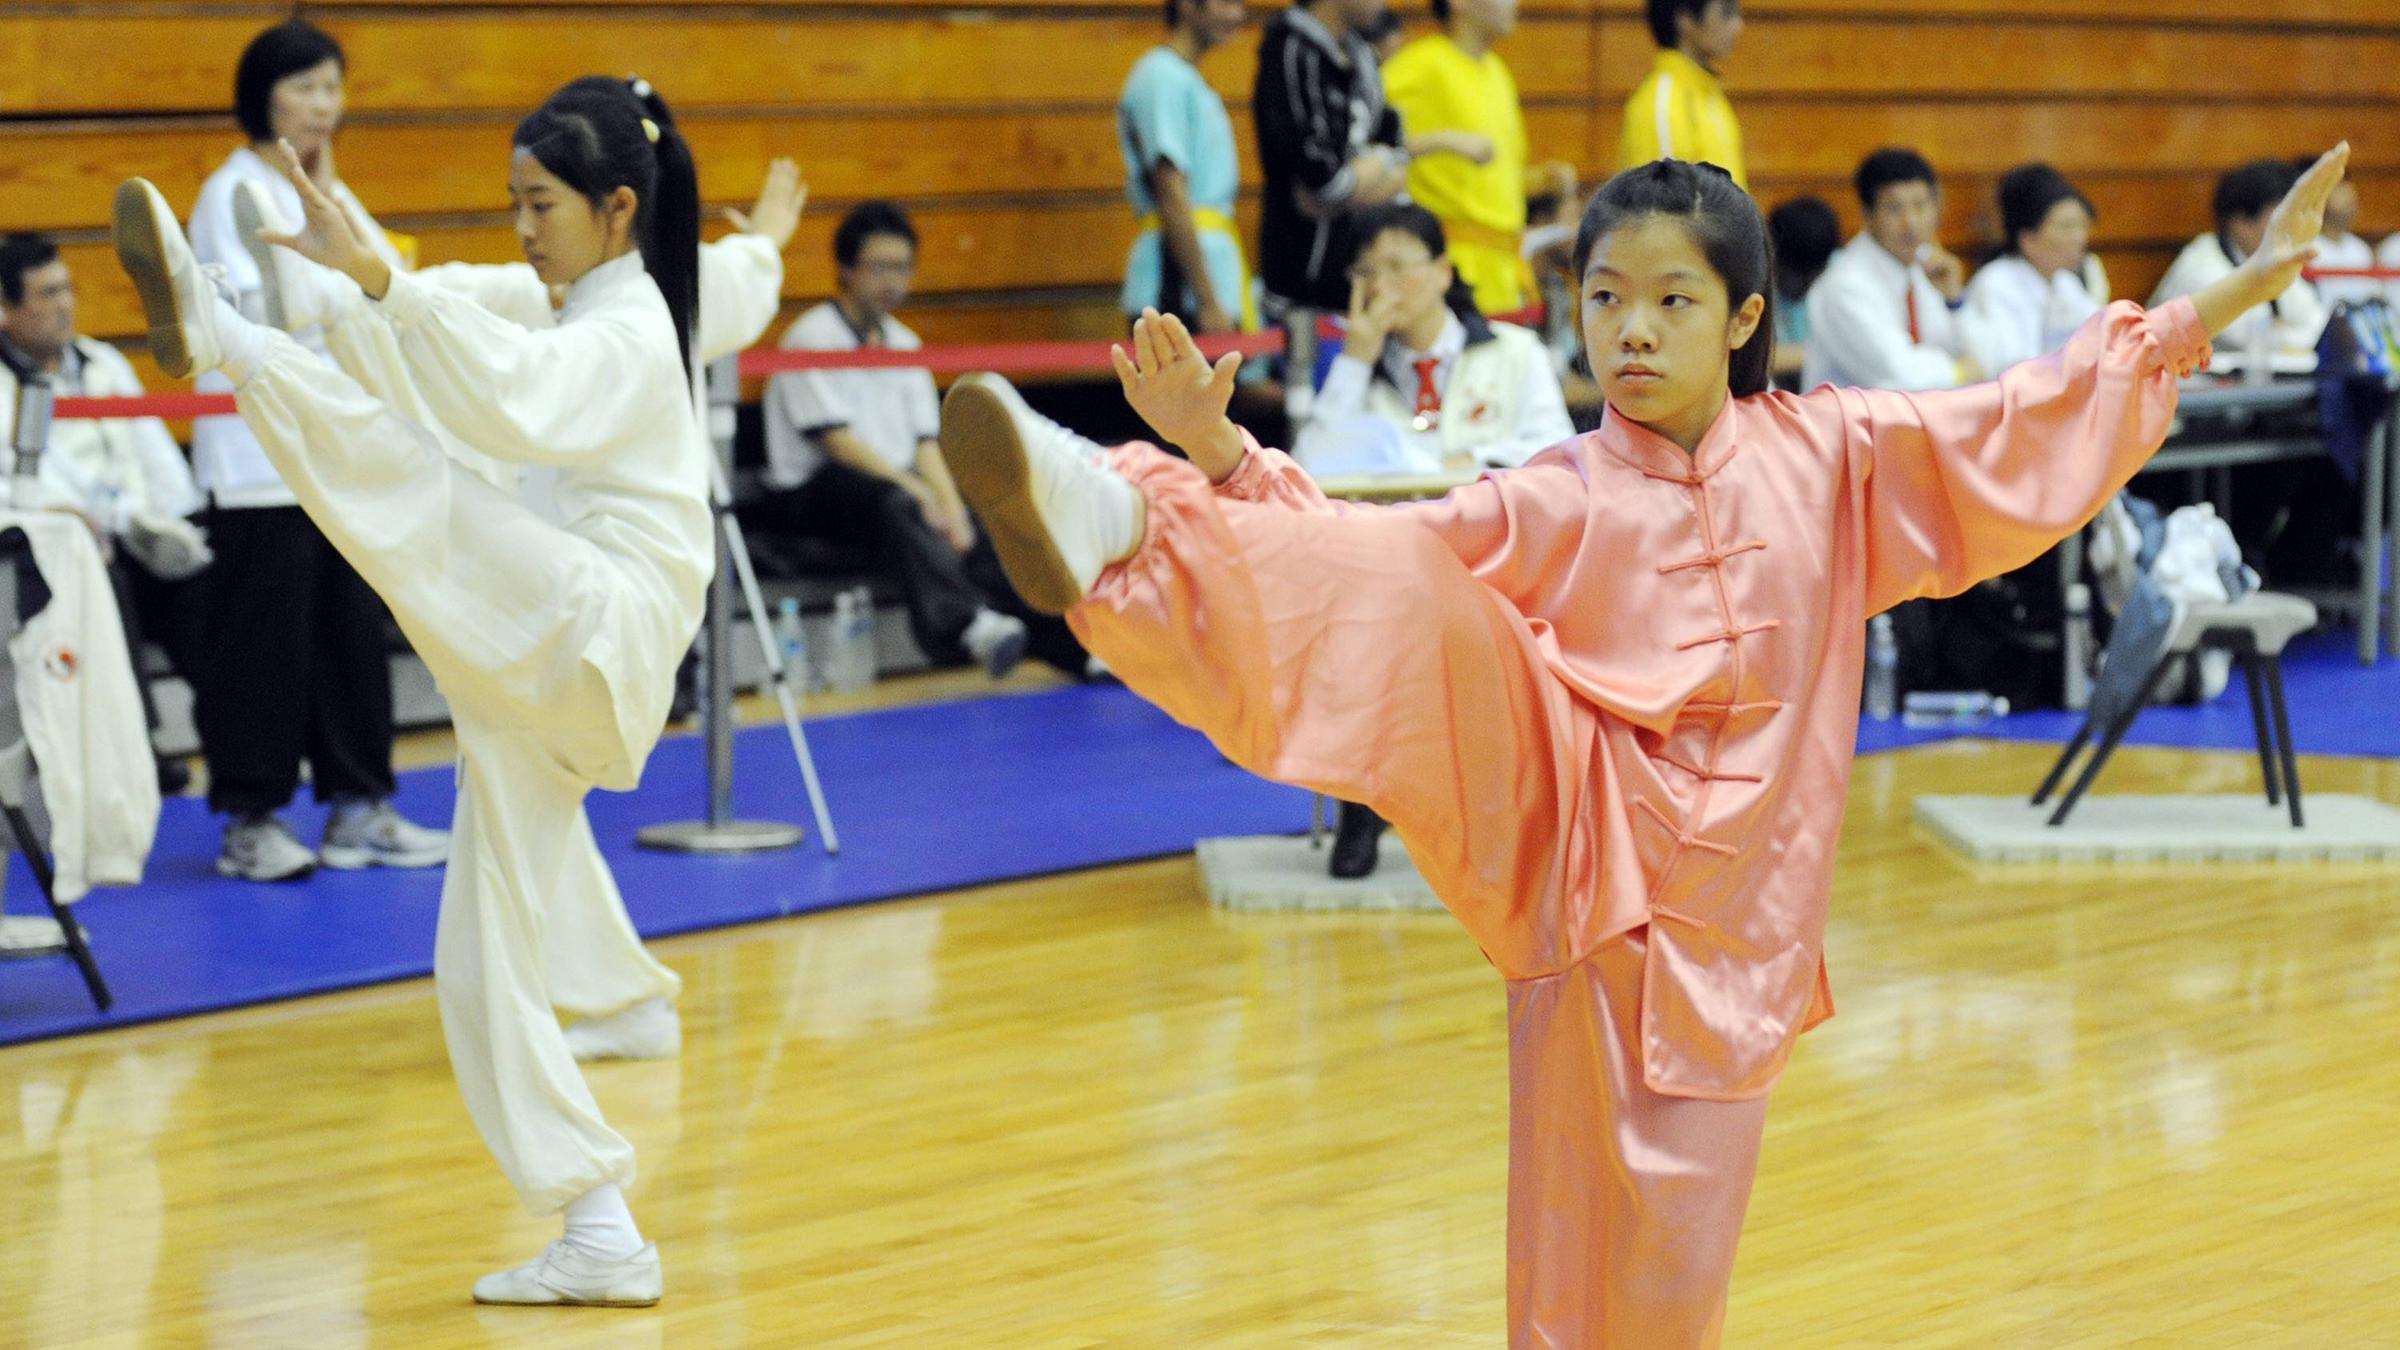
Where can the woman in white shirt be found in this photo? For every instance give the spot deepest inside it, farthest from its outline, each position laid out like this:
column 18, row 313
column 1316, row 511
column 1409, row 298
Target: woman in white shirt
column 2031, row 298
column 1425, row 383
column 297, row 665
column 556, row 645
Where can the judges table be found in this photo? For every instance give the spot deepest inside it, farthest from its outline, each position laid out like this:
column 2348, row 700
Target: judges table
column 2217, row 430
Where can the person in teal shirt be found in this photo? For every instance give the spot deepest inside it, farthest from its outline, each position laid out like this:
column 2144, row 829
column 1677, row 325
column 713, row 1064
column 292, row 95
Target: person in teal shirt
column 1182, row 173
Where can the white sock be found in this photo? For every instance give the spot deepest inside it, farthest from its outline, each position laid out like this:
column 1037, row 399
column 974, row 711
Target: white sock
column 244, row 343
column 599, row 1222
column 1121, row 507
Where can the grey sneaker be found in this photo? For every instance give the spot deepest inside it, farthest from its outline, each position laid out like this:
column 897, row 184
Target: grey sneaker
column 375, row 834
column 262, row 848
column 565, row 1274
column 996, row 641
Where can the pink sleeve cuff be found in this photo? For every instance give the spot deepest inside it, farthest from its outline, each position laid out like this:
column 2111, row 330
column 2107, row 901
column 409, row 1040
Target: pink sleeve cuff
column 2184, row 343
column 1250, row 479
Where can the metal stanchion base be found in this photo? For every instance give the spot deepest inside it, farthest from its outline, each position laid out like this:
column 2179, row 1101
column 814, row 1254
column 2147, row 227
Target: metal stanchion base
column 734, row 836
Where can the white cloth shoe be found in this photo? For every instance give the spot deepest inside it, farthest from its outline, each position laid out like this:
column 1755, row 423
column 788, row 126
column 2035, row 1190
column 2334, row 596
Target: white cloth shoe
column 294, row 294
column 179, row 301
column 375, row 834
column 567, row 1275
column 996, row 641
column 650, row 1029
column 1056, row 514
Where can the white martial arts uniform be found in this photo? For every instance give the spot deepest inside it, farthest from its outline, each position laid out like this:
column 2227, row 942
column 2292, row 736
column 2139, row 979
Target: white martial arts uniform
column 2016, row 314
column 555, row 643
column 1860, row 328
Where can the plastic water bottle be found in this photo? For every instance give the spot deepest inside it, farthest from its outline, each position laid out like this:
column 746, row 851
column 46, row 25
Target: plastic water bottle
column 2079, row 647
column 791, row 640
column 1883, row 669
column 851, row 665
column 1926, row 708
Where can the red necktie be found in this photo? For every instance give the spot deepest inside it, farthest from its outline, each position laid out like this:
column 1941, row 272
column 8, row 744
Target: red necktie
column 1914, row 337
column 1429, row 398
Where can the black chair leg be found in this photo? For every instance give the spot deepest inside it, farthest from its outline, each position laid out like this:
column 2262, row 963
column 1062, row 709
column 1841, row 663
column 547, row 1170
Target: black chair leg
column 2108, row 744
column 2083, row 737
column 39, row 861
column 2258, row 724
column 2283, row 735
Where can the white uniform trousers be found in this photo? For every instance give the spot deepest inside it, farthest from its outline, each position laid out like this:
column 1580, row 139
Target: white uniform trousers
column 503, row 607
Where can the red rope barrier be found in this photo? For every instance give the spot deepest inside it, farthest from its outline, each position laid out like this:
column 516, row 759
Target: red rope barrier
column 142, row 405
column 2351, row 273
column 1006, row 358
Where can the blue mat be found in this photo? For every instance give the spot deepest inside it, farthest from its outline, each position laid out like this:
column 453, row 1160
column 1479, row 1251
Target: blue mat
column 927, row 799
column 2339, row 707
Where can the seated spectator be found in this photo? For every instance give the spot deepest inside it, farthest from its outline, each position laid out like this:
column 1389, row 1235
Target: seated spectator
column 1452, row 81
column 1424, row 383
column 853, row 455
column 126, row 477
column 2289, row 323
column 1679, row 111
column 1886, row 313
column 2340, row 249
column 1805, row 234
column 2031, row 298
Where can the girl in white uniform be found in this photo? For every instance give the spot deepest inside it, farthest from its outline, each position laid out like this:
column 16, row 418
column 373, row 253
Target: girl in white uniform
column 556, row 645
column 2028, row 301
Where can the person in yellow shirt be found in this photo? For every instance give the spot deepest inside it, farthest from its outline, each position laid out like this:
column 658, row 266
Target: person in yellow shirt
column 1455, row 94
column 1680, row 110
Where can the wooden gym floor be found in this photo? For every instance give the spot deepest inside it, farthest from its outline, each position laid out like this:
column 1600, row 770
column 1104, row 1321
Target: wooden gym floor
column 2058, row 1108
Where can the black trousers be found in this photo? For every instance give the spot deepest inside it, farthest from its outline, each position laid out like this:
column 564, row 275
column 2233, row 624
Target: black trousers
column 941, row 588
column 293, row 662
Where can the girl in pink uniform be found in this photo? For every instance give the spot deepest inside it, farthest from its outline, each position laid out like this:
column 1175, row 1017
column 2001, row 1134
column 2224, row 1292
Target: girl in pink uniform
column 1609, row 699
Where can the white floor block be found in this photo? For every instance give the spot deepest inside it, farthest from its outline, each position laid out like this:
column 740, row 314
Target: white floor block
column 1282, row 872
column 2191, row 829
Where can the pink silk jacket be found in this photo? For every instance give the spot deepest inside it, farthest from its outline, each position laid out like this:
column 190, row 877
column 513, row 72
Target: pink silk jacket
column 1712, row 607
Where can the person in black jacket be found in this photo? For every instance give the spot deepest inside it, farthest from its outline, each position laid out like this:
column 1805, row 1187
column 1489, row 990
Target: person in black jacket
column 1328, row 145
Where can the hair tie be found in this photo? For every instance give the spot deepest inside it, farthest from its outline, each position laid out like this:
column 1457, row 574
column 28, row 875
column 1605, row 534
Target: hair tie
column 639, row 86
column 650, row 129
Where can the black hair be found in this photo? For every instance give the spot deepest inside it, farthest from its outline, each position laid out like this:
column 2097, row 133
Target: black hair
column 1174, row 11
column 1374, row 222
column 2028, row 193
column 19, row 254
column 288, row 48
column 1441, row 12
column 1890, row 168
column 864, row 222
column 1723, row 220
column 1663, row 14
column 1805, row 235
column 1386, row 22
column 598, row 134
column 2254, row 189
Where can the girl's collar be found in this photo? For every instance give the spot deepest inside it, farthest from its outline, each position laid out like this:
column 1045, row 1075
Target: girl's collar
column 1659, row 457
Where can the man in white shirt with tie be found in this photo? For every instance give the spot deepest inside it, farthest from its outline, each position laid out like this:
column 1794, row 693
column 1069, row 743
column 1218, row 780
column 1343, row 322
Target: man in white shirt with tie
column 1886, row 313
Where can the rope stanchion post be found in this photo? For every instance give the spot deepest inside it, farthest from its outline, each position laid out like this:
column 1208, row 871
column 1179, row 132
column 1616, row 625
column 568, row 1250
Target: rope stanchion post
column 718, row 831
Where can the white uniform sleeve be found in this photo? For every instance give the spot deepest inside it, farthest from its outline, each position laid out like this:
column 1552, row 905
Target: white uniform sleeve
column 511, row 290
column 166, row 476
column 925, row 406
column 2001, row 331
column 741, row 287
column 1342, row 399
column 528, row 396
column 1542, row 419
column 1851, row 333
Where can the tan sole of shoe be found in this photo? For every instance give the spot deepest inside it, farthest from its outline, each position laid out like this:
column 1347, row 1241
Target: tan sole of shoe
column 987, row 460
column 143, row 254
column 571, row 1303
